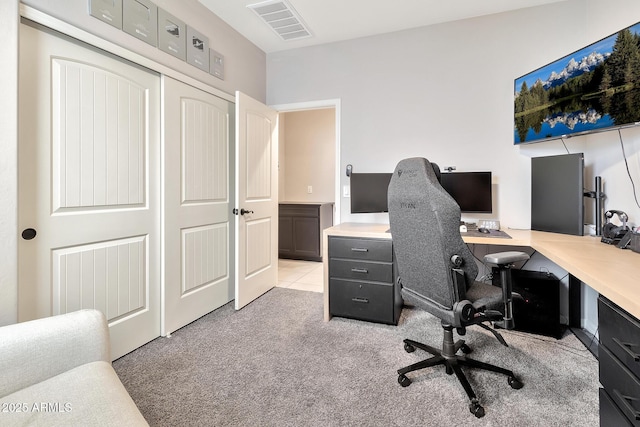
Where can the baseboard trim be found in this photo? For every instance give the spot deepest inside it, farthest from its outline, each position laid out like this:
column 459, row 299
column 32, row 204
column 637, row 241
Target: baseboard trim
column 588, row 339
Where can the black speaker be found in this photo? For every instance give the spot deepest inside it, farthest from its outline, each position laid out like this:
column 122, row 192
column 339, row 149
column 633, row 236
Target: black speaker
column 538, row 309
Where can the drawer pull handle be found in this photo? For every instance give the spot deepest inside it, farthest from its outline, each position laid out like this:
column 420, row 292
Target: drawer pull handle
column 360, row 270
column 626, row 402
column 625, row 346
column 359, row 250
column 362, row 300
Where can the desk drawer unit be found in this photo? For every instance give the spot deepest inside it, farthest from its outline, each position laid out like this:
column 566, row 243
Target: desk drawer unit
column 362, row 270
column 609, row 411
column 361, row 300
column 362, row 280
column 619, row 357
column 362, row 249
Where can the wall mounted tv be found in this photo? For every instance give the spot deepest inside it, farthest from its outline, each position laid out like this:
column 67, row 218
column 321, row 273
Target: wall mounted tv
column 594, row 89
column 471, row 190
column 369, row 192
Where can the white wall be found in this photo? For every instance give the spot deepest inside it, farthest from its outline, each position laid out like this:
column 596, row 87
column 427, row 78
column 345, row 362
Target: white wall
column 309, row 159
column 445, row 92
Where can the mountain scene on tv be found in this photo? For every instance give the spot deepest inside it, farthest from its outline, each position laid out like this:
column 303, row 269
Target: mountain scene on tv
column 594, row 88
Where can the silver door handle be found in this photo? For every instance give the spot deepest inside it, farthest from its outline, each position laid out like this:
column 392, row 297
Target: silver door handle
column 242, row 211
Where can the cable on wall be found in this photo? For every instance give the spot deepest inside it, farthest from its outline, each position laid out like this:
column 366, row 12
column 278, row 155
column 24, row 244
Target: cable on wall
column 624, row 156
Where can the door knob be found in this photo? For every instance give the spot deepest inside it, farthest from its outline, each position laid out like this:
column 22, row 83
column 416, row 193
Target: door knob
column 28, row 233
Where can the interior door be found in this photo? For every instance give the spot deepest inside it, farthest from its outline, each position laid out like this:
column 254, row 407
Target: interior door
column 197, row 212
column 256, row 199
column 88, row 198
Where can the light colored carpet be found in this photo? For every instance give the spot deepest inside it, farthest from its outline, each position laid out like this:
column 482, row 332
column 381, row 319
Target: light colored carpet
column 276, row 363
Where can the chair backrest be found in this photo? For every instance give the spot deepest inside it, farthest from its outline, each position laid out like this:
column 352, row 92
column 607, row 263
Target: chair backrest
column 425, row 226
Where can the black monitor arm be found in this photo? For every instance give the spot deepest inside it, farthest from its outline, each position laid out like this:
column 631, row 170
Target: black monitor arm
column 599, row 196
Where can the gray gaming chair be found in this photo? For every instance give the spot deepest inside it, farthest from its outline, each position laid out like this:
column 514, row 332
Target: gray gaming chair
column 437, row 272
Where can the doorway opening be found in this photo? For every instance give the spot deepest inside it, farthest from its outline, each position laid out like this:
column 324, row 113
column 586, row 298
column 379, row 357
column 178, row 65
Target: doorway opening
column 309, row 153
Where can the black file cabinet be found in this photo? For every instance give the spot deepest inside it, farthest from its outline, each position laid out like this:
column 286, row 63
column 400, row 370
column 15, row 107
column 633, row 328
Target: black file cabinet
column 362, row 280
column 619, row 359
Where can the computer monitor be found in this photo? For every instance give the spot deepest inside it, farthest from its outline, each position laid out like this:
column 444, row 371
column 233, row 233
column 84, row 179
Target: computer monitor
column 369, row 192
column 557, row 194
column 471, row 190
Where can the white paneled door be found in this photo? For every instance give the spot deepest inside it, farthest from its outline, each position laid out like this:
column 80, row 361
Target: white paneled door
column 256, row 200
column 197, row 211
column 89, row 196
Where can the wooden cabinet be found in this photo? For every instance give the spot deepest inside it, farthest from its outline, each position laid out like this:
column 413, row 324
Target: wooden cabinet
column 362, row 280
column 300, row 229
column 619, row 359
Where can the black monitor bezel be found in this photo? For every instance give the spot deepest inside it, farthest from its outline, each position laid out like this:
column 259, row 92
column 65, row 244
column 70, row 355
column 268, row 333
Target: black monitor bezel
column 557, row 194
column 369, row 192
column 462, row 185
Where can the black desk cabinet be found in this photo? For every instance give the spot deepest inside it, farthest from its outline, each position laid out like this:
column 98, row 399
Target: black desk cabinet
column 619, row 359
column 362, row 280
column 538, row 311
column 300, row 228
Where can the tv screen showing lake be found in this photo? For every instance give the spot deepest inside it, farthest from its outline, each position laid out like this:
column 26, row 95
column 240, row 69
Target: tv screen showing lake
column 595, row 88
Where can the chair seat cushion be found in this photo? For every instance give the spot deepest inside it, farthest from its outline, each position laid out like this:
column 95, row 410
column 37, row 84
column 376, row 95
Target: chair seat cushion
column 485, row 295
column 88, row 395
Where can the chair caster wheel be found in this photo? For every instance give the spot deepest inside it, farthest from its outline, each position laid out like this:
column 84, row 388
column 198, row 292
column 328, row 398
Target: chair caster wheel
column 403, row 380
column 476, row 409
column 515, row 383
column 466, row 349
column 409, row 348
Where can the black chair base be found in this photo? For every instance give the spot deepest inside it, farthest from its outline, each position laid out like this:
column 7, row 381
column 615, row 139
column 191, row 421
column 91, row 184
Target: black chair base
column 453, row 363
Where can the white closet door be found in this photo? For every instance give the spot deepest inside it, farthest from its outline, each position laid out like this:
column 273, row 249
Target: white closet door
column 196, row 203
column 257, row 199
column 89, row 160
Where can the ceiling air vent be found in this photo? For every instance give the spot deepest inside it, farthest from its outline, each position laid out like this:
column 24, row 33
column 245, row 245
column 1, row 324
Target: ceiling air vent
column 282, row 18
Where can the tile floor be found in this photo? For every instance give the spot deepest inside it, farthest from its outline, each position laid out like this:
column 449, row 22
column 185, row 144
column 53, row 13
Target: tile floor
column 301, row 275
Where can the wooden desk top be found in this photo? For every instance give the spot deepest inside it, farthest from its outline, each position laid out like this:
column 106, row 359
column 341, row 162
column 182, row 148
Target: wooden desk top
column 612, row 272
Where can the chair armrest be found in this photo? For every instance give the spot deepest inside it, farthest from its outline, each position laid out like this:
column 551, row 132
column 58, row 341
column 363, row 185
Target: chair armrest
column 503, row 258
column 33, row 351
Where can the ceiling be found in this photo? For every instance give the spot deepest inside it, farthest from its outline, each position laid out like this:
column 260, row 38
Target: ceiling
column 336, row 20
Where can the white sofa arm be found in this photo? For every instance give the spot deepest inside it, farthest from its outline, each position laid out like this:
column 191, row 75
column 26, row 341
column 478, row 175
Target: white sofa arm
column 33, row 351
